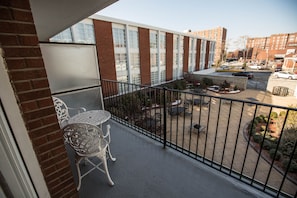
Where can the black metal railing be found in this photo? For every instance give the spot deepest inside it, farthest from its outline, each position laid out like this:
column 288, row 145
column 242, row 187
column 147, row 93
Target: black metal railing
column 250, row 141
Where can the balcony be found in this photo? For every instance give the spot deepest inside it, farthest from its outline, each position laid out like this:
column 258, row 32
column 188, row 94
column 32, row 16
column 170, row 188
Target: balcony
column 144, row 169
column 184, row 161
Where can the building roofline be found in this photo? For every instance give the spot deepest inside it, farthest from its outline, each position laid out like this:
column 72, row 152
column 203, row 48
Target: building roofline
column 130, row 23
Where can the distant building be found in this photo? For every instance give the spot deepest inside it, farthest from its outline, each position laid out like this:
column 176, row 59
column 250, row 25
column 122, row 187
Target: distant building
column 218, row 34
column 275, row 48
column 138, row 53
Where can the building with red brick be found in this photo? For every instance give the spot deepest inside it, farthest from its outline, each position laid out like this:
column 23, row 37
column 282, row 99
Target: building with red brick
column 275, row 48
column 138, row 53
column 218, row 34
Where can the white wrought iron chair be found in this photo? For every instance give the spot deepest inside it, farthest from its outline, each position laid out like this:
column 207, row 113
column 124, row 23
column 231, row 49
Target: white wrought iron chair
column 88, row 141
column 62, row 111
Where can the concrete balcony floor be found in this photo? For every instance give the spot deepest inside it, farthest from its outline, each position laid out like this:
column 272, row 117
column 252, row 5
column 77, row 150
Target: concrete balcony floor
column 144, row 169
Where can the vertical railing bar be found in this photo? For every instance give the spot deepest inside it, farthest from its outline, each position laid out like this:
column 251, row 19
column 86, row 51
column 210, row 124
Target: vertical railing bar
column 237, row 135
column 226, row 136
column 261, row 148
column 170, row 106
column 191, row 124
column 155, row 111
column 176, row 133
column 184, row 121
column 287, row 170
column 276, row 149
column 199, row 119
column 151, row 108
column 248, row 143
column 158, row 110
column 207, row 127
column 121, row 92
column 216, row 134
column 117, row 99
column 165, row 117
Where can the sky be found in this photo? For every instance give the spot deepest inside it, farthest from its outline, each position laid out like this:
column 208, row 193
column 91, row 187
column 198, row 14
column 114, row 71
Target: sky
column 241, row 18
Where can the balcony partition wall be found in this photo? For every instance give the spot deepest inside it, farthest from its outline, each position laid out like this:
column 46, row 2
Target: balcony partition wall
column 73, row 74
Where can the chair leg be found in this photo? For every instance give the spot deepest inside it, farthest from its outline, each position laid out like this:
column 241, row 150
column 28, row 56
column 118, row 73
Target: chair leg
column 104, row 161
column 78, row 160
column 110, row 155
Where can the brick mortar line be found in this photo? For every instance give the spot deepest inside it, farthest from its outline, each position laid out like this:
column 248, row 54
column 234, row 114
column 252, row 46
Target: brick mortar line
column 14, row 8
column 29, row 69
column 14, row 21
column 16, row 34
column 20, row 47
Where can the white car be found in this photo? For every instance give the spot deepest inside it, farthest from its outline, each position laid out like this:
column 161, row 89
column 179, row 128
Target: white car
column 285, row 74
column 255, row 66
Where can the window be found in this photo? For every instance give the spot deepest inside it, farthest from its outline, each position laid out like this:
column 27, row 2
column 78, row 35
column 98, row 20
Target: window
column 120, row 52
column 119, row 37
column 162, row 55
column 154, row 57
column 83, row 33
column 133, row 39
column 134, row 60
column 176, row 44
column 65, row 37
column 154, row 77
column 153, row 39
column 192, row 55
column 121, row 62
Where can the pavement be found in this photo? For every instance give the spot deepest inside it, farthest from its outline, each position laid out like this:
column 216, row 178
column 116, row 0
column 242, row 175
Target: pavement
column 219, row 143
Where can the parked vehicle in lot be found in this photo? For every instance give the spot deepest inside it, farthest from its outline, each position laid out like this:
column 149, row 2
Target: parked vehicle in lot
column 246, row 74
column 224, row 67
column 278, row 69
column 255, row 66
column 285, row 74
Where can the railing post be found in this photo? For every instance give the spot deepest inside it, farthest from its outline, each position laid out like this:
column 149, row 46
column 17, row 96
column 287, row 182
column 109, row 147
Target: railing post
column 164, row 117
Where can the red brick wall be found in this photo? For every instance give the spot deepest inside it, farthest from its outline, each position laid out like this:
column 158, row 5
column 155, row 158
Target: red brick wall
column 105, row 49
column 198, row 51
column 186, row 55
column 105, row 54
column 207, row 54
column 144, row 53
column 25, row 66
column 169, row 56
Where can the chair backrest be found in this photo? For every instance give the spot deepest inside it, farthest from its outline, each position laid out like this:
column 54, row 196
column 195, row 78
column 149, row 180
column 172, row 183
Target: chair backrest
column 61, row 110
column 84, row 138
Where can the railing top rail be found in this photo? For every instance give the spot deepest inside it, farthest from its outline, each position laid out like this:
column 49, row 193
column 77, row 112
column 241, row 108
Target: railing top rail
column 161, row 87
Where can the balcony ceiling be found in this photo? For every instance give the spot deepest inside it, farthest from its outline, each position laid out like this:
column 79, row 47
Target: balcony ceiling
column 52, row 17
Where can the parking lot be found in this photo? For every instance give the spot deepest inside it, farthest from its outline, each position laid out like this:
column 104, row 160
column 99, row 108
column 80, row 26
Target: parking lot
column 265, row 81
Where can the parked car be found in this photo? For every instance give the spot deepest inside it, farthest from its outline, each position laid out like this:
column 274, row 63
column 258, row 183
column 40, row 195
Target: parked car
column 224, row 67
column 255, row 66
column 278, row 69
column 246, row 74
column 285, row 74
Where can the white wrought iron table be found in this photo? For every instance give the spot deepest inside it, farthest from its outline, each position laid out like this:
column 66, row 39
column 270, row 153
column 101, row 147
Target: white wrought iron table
column 94, row 117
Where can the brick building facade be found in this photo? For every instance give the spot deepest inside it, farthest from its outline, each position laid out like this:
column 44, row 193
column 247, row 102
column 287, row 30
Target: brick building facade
column 273, row 48
column 218, row 34
column 142, row 54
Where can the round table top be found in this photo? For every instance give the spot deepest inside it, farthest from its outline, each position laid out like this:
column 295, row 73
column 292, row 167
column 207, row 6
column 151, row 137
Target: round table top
column 94, row 117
